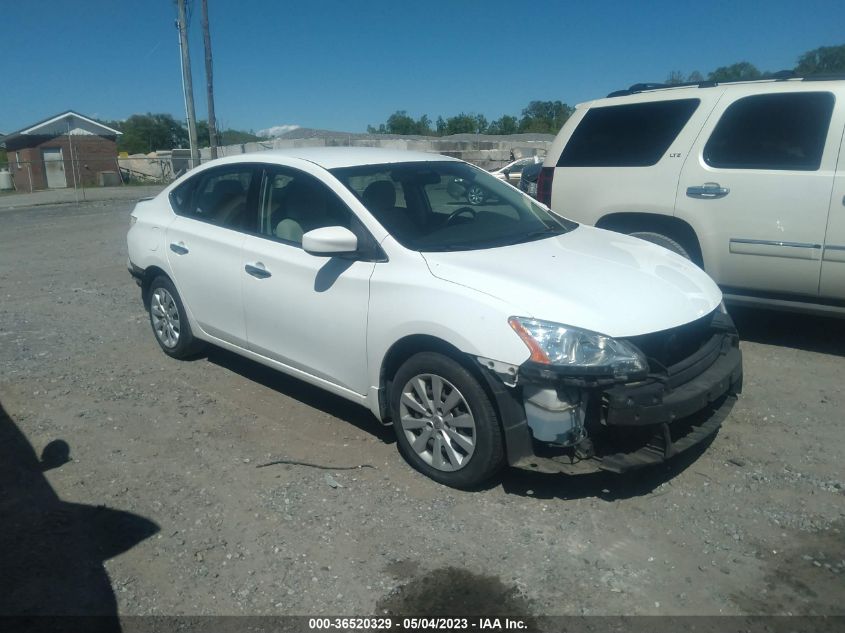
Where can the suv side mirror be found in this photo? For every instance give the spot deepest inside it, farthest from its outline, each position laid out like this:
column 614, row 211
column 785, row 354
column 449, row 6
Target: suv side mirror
column 329, row 241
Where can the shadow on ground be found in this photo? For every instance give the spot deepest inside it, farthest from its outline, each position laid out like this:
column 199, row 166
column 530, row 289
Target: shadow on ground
column 786, row 329
column 52, row 551
column 310, row 395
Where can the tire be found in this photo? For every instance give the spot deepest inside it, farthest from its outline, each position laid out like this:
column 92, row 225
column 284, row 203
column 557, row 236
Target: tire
column 169, row 321
column 662, row 240
column 475, row 195
column 459, row 443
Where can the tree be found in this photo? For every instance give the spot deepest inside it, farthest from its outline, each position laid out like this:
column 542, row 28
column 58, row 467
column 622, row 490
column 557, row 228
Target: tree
column 544, row 117
column 675, row 77
column 821, row 61
column 695, row 77
column 401, row 123
column 462, row 124
column 144, row 133
column 506, row 124
column 741, row 71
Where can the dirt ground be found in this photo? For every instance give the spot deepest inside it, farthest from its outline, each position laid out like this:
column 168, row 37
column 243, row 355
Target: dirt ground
column 154, row 497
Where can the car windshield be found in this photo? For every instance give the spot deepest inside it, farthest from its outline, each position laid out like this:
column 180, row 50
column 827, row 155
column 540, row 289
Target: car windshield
column 449, row 206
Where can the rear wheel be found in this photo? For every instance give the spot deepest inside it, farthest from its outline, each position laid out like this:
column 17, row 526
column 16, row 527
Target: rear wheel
column 169, row 321
column 446, row 425
column 662, row 240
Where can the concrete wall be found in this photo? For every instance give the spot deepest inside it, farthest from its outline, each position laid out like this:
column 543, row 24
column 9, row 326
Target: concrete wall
column 485, row 153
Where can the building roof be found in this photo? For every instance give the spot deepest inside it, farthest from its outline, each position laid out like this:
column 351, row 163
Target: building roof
column 69, row 122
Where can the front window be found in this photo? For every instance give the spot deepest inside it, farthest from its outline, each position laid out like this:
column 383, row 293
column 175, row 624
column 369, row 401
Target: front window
column 439, row 206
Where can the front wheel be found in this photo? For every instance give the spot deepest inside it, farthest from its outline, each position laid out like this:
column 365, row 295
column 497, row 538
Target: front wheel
column 446, row 425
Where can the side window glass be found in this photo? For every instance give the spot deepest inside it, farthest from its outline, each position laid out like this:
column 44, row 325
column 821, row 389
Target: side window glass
column 775, row 131
column 218, row 196
column 633, row 135
column 294, row 203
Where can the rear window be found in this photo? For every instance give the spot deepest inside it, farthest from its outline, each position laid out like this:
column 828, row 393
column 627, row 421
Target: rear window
column 633, row 135
column 774, row 131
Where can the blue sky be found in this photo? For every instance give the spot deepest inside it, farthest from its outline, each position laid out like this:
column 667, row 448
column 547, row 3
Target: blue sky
column 343, row 64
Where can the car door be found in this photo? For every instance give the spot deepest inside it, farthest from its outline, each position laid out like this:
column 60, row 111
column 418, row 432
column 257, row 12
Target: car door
column 204, row 242
column 305, row 311
column 832, row 283
column 756, row 187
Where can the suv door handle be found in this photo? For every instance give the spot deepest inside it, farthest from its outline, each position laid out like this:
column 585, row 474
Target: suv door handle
column 708, row 191
column 258, row 271
column 179, row 249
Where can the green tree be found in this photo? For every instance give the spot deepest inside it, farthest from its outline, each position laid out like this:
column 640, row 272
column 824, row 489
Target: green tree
column 675, row 77
column 506, row 124
column 545, row 117
column 401, row 123
column 695, row 77
column 821, row 61
column 741, row 71
column 144, row 133
column 462, row 124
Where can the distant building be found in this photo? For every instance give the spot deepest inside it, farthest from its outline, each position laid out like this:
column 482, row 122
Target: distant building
column 65, row 150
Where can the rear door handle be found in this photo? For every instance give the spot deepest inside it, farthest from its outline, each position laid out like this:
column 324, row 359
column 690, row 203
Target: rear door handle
column 708, row 191
column 179, row 248
column 258, row 271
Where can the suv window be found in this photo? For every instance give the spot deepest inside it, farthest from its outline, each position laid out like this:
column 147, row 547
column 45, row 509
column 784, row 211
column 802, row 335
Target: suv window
column 218, row 196
column 773, row 131
column 632, row 135
column 293, row 203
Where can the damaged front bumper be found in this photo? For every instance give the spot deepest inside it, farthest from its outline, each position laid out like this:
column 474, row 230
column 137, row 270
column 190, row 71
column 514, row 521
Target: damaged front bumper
column 557, row 422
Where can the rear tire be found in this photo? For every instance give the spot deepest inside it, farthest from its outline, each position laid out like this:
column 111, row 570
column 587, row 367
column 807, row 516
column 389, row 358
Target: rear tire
column 170, row 321
column 446, row 426
column 663, row 240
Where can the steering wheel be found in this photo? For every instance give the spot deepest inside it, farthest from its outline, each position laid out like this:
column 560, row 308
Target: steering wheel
column 460, row 211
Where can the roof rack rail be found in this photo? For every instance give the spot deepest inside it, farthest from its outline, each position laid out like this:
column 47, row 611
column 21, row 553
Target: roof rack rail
column 781, row 75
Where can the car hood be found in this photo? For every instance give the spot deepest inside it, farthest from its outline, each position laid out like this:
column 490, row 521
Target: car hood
column 588, row 278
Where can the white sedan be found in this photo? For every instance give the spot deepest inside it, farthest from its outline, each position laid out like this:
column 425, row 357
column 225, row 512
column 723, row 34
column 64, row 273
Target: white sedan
column 491, row 334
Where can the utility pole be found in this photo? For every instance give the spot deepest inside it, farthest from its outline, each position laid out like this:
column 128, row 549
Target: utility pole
column 187, row 83
column 209, row 81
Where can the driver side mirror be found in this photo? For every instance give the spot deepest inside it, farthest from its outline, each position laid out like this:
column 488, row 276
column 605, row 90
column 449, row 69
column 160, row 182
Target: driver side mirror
column 330, row 241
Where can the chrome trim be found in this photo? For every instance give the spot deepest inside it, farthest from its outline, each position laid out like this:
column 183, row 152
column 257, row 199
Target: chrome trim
column 834, row 247
column 737, row 240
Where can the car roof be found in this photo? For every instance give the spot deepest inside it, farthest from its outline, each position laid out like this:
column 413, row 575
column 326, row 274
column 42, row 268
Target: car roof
column 333, row 157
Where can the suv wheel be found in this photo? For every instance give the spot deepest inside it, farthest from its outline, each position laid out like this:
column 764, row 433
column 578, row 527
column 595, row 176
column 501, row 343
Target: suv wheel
column 446, row 425
column 169, row 321
column 662, row 240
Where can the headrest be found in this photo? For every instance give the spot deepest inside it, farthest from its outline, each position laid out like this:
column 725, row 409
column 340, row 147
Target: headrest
column 380, row 195
column 228, row 187
column 303, row 201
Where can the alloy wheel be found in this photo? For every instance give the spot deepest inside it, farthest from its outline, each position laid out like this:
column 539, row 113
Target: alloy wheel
column 165, row 317
column 437, row 422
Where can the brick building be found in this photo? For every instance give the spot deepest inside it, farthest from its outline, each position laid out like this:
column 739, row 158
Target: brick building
column 66, row 150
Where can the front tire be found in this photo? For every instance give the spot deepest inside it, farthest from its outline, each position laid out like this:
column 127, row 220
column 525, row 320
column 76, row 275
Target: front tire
column 170, row 321
column 446, row 426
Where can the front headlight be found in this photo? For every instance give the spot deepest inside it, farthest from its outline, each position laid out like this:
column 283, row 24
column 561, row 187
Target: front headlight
column 587, row 352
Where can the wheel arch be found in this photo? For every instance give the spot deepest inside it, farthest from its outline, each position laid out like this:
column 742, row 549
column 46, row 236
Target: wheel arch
column 676, row 228
column 149, row 274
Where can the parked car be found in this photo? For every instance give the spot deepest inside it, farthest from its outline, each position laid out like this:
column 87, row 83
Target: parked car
column 513, row 170
column 487, row 335
column 528, row 179
column 745, row 179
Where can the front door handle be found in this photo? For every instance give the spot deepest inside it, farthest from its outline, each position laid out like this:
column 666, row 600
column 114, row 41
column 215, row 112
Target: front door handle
column 258, row 271
column 708, row 191
column 179, row 248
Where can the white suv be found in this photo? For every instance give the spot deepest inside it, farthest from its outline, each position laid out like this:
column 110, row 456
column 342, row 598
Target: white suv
column 746, row 179
column 487, row 334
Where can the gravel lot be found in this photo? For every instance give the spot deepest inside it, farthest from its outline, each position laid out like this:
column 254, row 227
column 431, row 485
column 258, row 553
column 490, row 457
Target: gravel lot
column 194, row 523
